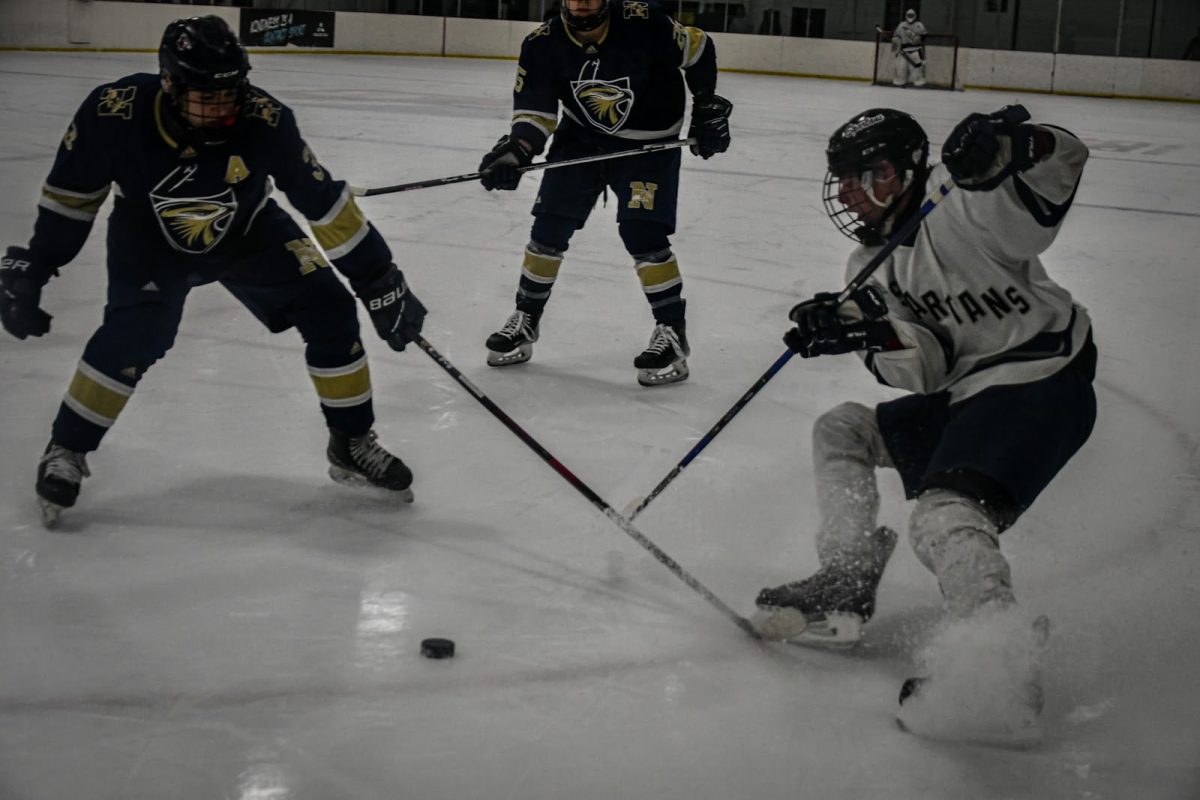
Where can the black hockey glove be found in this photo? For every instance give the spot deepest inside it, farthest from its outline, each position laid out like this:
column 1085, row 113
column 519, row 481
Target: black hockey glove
column 823, row 328
column 21, row 282
column 501, row 167
column 710, row 125
column 395, row 311
column 984, row 149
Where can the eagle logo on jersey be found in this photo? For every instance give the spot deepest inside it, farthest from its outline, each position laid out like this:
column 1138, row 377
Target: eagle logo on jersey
column 192, row 225
column 117, row 102
column 606, row 104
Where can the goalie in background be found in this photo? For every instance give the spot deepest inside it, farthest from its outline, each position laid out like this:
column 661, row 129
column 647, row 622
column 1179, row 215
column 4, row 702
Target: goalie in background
column 908, row 49
column 194, row 150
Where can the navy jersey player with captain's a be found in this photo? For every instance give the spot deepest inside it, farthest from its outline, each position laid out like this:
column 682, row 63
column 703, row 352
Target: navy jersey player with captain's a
column 191, row 155
column 605, row 76
column 997, row 356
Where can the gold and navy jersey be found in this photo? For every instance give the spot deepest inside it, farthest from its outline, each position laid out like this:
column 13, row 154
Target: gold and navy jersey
column 189, row 205
column 627, row 86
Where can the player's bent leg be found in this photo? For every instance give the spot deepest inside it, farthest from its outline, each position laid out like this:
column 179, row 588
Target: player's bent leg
column 123, row 348
column 847, row 449
column 325, row 315
column 958, row 541
column 982, row 680
column 830, row 607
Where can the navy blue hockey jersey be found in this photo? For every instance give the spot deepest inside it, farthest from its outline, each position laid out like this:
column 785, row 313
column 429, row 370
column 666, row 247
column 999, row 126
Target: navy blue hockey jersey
column 191, row 206
column 627, row 86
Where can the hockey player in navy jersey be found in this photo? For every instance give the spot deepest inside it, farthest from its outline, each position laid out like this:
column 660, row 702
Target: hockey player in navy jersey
column 999, row 359
column 191, row 154
column 618, row 69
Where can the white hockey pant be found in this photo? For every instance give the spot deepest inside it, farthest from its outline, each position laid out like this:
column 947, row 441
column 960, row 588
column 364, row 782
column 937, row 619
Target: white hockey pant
column 958, row 542
column 847, row 448
column 949, row 532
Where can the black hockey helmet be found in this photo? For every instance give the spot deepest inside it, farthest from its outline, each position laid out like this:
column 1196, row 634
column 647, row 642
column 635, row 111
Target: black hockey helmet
column 857, row 149
column 588, row 22
column 204, row 53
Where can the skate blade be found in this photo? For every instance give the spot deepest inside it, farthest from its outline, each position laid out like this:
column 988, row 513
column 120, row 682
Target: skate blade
column 50, row 513
column 834, row 632
column 518, row 356
column 675, row 372
column 347, row 478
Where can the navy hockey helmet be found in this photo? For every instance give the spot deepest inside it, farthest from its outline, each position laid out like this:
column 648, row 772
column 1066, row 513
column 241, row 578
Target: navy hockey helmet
column 856, row 151
column 585, row 22
column 204, row 54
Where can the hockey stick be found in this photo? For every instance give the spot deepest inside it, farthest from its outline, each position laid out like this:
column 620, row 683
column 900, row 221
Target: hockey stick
column 582, row 487
column 636, row 506
column 359, row 191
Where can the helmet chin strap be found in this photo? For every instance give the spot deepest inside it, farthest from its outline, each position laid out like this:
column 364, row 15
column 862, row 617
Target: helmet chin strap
column 867, row 180
column 888, row 219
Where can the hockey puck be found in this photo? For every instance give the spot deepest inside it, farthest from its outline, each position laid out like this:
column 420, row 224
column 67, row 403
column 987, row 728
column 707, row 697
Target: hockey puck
column 437, row 648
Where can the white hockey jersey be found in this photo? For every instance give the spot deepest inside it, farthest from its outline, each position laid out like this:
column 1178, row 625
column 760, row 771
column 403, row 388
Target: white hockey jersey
column 970, row 299
column 908, row 37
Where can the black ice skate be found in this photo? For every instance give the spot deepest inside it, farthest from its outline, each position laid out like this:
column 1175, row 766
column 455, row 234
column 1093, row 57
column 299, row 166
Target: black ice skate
column 361, row 461
column 829, row 608
column 513, row 344
column 665, row 359
column 59, row 473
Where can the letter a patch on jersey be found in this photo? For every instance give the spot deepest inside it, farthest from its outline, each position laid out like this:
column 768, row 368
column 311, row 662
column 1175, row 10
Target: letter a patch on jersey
column 605, row 104
column 236, row 170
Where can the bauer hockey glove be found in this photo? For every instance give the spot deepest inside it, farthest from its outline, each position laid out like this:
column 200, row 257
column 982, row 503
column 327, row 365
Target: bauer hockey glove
column 395, row 311
column 984, row 149
column 824, row 327
column 710, row 125
column 501, row 167
column 21, row 283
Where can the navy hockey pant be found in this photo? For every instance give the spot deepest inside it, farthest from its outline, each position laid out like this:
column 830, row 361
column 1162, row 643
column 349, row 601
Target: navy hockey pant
column 645, row 190
column 282, row 289
column 1002, row 446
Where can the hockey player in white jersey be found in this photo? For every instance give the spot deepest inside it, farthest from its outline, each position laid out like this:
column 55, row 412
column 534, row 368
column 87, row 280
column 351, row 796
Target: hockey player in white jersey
column 998, row 357
column 908, row 51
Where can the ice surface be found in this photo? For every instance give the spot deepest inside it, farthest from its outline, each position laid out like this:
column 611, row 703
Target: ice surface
column 217, row 619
